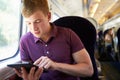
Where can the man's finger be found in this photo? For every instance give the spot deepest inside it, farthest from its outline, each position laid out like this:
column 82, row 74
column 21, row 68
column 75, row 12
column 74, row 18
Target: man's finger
column 18, row 72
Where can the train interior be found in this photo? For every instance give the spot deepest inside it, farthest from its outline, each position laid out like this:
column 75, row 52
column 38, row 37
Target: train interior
column 103, row 14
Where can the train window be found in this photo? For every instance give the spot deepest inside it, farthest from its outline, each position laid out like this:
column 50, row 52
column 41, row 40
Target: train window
column 9, row 27
column 54, row 17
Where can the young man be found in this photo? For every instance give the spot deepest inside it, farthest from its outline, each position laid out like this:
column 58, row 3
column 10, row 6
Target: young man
column 56, row 49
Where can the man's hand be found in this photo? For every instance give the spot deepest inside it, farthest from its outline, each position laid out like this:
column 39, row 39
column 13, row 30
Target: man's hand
column 32, row 75
column 46, row 63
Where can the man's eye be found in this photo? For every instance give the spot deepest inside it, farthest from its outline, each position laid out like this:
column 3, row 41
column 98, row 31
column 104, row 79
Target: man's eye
column 37, row 21
column 28, row 23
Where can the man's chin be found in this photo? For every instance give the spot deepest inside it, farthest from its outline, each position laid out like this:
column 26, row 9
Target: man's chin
column 37, row 36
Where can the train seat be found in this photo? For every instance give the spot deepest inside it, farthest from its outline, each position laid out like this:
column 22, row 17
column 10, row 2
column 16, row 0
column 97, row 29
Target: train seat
column 87, row 33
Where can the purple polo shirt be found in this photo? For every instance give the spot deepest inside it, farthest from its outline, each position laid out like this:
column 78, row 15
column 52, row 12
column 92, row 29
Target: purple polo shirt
column 59, row 48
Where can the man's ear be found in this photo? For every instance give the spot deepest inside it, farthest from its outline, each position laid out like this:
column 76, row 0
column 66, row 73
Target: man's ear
column 49, row 16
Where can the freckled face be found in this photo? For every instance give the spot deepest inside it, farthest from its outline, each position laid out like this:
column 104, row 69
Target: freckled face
column 38, row 24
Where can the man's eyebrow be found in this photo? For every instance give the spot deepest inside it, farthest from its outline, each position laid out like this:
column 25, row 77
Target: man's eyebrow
column 34, row 20
column 38, row 19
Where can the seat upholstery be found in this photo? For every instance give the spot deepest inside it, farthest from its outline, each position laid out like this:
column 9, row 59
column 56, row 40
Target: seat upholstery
column 87, row 33
column 118, row 36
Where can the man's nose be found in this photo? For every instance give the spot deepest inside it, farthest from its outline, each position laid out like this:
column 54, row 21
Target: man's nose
column 34, row 26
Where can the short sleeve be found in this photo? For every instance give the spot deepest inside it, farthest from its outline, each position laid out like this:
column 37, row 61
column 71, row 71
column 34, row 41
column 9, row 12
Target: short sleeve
column 23, row 50
column 75, row 41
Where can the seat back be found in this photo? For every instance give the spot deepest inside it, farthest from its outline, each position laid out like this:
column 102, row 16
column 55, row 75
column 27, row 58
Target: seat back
column 118, row 36
column 87, row 33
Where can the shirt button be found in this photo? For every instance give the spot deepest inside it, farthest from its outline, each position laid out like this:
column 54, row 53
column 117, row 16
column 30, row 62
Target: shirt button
column 46, row 45
column 47, row 52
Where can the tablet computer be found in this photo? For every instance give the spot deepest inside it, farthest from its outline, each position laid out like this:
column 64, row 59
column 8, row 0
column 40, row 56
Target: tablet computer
column 18, row 66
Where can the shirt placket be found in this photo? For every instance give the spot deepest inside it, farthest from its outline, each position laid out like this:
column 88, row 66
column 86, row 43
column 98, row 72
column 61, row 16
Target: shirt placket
column 46, row 50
